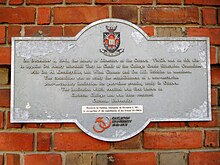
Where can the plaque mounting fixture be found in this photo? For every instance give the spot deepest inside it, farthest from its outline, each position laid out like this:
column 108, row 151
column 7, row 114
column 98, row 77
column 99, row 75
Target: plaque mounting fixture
column 111, row 79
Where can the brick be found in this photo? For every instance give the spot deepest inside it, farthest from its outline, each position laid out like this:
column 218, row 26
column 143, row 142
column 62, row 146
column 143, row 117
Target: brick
column 149, row 30
column 51, row 125
column 215, row 78
column 5, row 55
column 79, row 14
column 211, row 138
column 171, row 124
column 173, row 140
column 148, row 158
column 165, row 15
column 79, row 1
column 2, row 34
column 1, row 159
column 213, row 56
column 213, row 33
column 136, row 2
column 43, row 159
column 206, row 158
column 203, row 2
column 1, row 120
column 4, row 98
column 13, row 31
column 16, row 141
column 218, row 55
column 70, row 31
column 152, row 125
column 169, row 32
column 13, row 159
column 44, row 2
column 4, row 73
column 217, row 118
column 82, row 142
column 169, row 2
column 129, row 13
column 2, row 1
column 214, row 98
column 31, row 125
column 43, row 16
column 43, row 31
column 79, row 159
column 70, row 125
column 218, row 16
column 12, row 125
column 17, row 15
column 209, row 16
column 43, row 141
column 15, row 2
column 132, row 143
column 173, row 158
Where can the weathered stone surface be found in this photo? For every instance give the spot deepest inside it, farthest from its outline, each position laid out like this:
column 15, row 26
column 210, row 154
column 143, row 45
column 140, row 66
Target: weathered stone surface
column 78, row 159
column 129, row 13
column 102, row 159
column 4, row 76
column 218, row 54
column 173, row 158
column 169, row 32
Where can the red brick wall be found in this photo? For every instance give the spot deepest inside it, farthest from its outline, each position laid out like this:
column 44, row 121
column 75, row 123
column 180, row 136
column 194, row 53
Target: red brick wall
column 163, row 143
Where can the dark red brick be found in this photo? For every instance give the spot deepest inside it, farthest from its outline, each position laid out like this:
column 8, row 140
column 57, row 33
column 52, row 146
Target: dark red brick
column 17, row 15
column 165, row 15
column 129, row 13
column 173, row 140
column 204, row 158
column 43, row 2
column 43, row 141
column 71, row 31
column 2, row 34
column 44, row 31
column 213, row 33
column 43, row 159
column 148, row 29
column 203, row 2
column 13, row 31
column 4, row 98
column 11, row 141
column 15, row 2
column 78, row 142
column 79, row 1
column 43, row 16
column 169, row 2
column 212, row 138
column 79, row 14
column 209, row 16
column 13, row 159
column 136, row 2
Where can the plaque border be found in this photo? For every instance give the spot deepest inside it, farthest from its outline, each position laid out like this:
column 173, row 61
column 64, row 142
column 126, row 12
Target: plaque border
column 13, row 53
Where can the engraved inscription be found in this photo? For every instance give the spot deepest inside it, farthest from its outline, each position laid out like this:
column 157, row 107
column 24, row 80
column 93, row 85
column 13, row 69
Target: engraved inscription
column 130, row 78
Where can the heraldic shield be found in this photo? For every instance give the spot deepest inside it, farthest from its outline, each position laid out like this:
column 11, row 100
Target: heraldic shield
column 111, row 41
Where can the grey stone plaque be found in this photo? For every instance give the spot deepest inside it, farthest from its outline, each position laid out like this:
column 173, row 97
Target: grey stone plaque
column 111, row 79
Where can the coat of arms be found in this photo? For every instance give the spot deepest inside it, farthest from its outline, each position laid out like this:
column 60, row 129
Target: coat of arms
column 111, row 41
